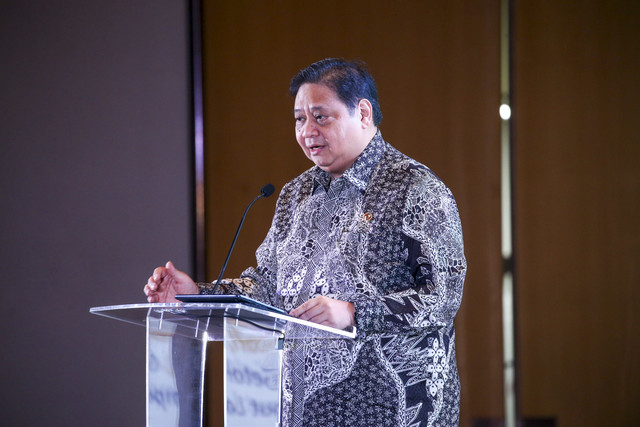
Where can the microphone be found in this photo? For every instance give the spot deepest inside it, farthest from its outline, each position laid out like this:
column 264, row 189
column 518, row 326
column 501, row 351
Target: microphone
column 265, row 191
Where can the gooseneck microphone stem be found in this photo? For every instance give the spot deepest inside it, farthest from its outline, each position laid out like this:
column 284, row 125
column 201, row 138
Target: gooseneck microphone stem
column 265, row 191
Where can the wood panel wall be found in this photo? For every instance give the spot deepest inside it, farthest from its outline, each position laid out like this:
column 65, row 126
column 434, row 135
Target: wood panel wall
column 577, row 104
column 437, row 69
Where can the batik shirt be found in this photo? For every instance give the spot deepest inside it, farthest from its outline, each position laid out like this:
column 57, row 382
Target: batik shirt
column 385, row 236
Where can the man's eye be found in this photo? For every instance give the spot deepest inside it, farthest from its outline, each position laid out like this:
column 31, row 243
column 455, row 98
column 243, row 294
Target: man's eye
column 320, row 117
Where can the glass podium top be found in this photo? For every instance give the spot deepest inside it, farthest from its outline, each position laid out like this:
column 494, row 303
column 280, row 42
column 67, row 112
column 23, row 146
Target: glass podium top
column 205, row 320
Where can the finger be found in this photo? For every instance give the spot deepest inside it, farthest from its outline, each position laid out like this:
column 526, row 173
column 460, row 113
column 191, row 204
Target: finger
column 315, row 311
column 321, row 317
column 150, row 290
column 301, row 309
column 171, row 269
column 296, row 311
column 158, row 274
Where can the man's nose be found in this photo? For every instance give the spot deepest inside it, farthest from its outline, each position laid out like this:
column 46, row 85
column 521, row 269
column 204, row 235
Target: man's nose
column 308, row 129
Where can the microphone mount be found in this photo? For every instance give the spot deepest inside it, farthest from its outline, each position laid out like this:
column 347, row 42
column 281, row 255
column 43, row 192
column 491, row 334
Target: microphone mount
column 265, row 191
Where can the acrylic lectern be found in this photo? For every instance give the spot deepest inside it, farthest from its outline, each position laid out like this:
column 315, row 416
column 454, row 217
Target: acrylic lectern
column 177, row 336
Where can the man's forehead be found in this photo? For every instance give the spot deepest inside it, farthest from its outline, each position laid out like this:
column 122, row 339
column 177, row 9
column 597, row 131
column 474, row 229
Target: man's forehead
column 316, row 93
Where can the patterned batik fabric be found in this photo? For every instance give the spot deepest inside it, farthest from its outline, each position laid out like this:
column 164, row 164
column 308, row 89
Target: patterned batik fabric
column 385, row 236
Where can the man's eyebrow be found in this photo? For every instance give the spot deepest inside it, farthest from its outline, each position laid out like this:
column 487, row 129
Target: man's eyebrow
column 314, row 108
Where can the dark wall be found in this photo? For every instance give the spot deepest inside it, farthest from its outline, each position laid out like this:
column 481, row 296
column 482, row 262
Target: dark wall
column 95, row 178
column 437, row 68
column 577, row 105
column 577, row 184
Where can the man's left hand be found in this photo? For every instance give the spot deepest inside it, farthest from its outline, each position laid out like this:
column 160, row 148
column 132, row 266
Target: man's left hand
column 326, row 311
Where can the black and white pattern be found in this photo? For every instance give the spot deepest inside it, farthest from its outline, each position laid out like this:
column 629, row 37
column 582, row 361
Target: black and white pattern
column 387, row 237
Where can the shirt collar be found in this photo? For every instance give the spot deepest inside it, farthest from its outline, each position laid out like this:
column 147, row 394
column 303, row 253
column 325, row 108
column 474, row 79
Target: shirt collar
column 360, row 171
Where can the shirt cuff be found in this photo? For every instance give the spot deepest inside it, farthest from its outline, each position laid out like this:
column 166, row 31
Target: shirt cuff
column 369, row 313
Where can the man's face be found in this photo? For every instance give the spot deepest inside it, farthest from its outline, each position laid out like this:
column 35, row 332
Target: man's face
column 327, row 133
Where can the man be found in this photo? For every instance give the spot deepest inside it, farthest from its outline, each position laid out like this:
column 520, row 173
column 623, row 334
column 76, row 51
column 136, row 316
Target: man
column 367, row 237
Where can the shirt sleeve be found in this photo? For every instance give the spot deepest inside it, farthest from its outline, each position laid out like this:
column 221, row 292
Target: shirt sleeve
column 236, row 286
column 433, row 244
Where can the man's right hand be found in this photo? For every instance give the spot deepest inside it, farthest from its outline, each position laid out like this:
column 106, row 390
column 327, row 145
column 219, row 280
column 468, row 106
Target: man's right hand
column 167, row 282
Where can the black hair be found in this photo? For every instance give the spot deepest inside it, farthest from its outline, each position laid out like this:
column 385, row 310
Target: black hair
column 350, row 80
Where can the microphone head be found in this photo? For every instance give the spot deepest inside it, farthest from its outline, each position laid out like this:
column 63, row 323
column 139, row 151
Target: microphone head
column 267, row 190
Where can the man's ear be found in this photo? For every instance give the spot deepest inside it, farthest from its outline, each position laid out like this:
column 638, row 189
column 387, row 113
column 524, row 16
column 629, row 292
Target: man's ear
column 365, row 110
